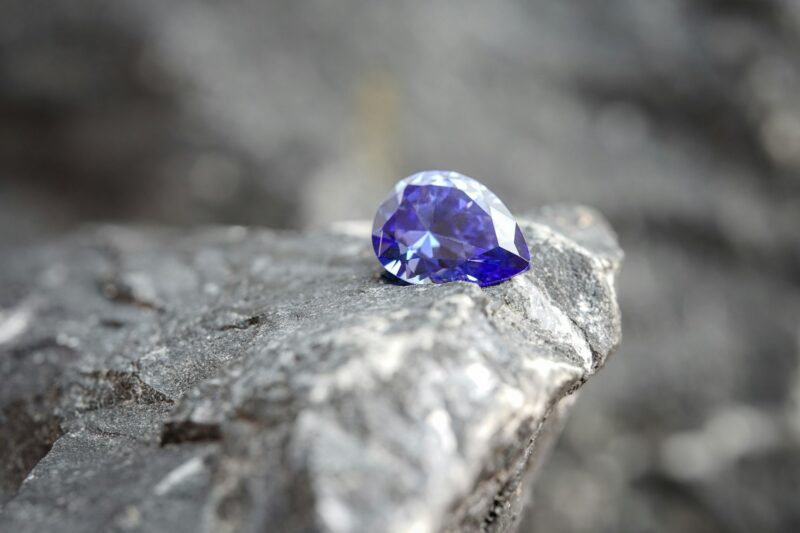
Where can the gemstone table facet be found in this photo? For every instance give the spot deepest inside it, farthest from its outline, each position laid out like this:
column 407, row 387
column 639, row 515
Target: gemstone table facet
column 442, row 226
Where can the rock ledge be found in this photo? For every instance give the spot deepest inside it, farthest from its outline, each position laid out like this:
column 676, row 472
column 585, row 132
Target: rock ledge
column 246, row 380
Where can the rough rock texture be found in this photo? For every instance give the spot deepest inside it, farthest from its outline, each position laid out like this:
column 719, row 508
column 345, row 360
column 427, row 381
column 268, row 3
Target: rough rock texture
column 246, row 380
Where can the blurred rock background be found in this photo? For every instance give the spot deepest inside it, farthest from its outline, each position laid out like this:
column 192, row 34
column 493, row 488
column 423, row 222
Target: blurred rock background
column 679, row 119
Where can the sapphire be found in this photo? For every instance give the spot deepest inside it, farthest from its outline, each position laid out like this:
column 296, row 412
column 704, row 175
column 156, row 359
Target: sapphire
column 441, row 226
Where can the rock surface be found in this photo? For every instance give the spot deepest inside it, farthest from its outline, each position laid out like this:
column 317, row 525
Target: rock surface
column 246, row 380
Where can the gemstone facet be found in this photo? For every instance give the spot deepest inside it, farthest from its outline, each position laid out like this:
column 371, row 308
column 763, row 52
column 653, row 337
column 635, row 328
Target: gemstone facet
column 441, row 226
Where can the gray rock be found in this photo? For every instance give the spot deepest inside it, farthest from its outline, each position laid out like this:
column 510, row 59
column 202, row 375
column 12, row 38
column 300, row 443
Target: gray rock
column 231, row 379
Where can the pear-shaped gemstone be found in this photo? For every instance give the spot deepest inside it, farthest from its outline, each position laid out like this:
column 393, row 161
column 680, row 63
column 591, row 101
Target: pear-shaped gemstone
column 441, row 226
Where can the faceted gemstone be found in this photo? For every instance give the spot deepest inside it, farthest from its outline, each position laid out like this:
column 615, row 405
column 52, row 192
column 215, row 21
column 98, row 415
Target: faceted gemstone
column 440, row 226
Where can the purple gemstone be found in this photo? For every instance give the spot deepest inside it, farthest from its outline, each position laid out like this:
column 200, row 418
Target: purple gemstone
column 440, row 226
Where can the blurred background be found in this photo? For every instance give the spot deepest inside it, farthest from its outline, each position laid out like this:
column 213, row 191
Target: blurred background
column 678, row 119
